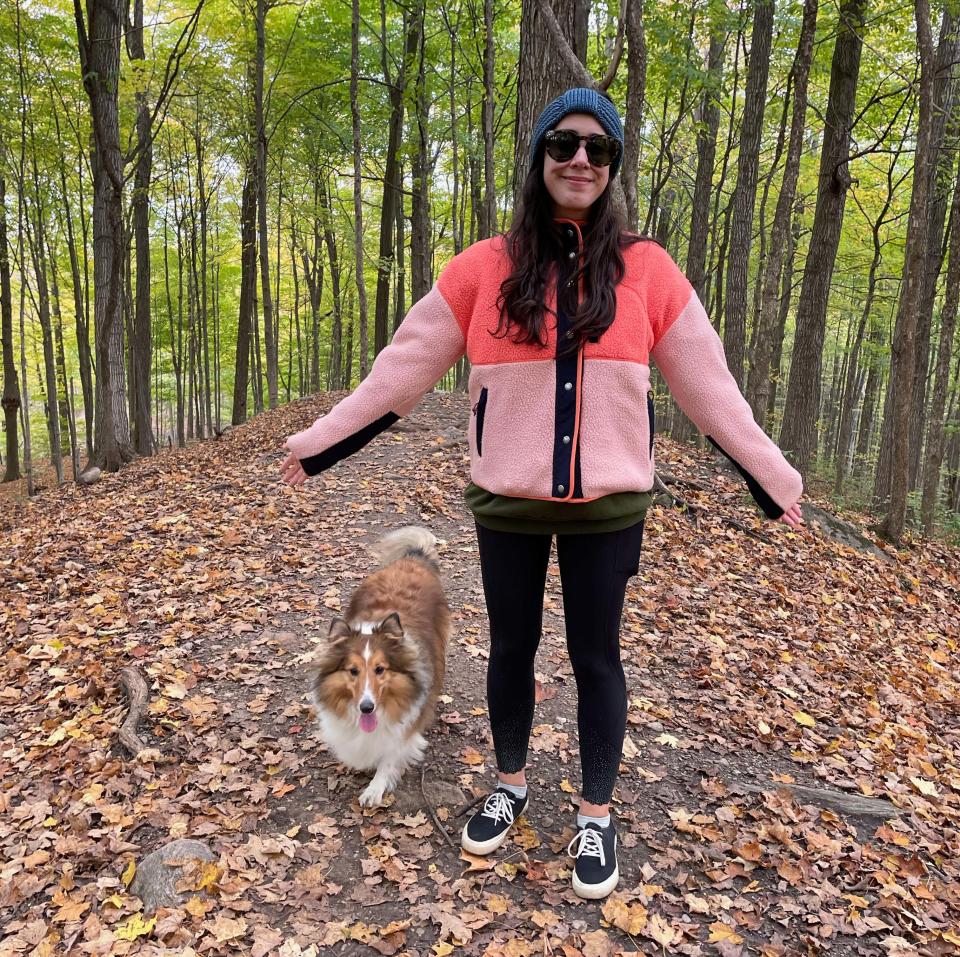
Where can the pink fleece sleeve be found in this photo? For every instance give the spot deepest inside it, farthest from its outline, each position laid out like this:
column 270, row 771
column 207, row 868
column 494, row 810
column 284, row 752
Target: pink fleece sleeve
column 426, row 344
column 690, row 355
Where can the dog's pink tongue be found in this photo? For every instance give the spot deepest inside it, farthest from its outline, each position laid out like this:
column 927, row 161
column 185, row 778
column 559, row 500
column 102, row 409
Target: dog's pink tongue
column 368, row 722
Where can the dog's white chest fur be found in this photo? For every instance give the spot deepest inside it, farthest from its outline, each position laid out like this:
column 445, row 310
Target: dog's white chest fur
column 367, row 750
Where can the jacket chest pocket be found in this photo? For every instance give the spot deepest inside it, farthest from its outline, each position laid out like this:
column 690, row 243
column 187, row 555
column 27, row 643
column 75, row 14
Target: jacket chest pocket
column 479, row 411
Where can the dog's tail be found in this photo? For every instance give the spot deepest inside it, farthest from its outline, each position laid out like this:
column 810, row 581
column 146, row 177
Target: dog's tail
column 409, row 542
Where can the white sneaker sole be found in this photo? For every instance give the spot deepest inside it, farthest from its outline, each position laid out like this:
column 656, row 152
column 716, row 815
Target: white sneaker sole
column 592, row 892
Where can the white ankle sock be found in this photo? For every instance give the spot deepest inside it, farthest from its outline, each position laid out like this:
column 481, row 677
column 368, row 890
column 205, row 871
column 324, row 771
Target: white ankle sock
column 517, row 790
column 584, row 819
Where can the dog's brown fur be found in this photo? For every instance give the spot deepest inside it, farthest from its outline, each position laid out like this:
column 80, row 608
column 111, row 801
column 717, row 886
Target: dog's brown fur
column 391, row 647
column 409, row 589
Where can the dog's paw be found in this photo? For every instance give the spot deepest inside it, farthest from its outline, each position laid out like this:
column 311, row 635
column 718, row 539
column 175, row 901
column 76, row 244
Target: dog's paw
column 372, row 795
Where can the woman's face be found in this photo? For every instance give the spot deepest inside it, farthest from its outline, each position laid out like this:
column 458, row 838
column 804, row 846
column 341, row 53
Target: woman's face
column 575, row 184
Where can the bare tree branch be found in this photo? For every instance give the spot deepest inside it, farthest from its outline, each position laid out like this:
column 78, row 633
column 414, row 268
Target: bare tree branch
column 576, row 70
column 611, row 73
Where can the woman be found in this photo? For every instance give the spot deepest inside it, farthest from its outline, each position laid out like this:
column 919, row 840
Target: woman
column 559, row 319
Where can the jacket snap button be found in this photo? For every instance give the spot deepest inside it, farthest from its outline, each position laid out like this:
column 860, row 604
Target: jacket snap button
column 566, row 440
column 572, row 254
column 561, row 489
column 568, row 386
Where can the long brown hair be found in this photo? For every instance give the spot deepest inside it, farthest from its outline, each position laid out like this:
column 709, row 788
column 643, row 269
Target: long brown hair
column 534, row 246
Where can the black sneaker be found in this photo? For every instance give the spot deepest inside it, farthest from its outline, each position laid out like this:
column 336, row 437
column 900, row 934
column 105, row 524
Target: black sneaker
column 595, row 874
column 488, row 827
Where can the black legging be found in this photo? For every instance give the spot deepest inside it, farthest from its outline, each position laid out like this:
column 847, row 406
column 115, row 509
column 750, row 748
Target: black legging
column 593, row 572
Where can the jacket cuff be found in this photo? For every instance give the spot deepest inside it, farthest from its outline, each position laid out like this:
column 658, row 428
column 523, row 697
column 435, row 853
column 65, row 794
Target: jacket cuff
column 315, row 464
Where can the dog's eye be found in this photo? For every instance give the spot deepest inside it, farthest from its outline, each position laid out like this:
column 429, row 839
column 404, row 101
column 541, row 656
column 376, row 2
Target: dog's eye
column 354, row 671
column 379, row 669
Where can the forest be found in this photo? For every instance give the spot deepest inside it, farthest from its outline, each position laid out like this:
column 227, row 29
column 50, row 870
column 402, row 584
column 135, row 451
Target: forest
column 213, row 208
column 214, row 214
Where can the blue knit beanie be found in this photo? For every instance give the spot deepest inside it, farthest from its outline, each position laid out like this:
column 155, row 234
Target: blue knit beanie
column 579, row 100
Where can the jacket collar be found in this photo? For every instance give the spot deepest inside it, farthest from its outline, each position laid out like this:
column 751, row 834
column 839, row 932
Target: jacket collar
column 571, row 231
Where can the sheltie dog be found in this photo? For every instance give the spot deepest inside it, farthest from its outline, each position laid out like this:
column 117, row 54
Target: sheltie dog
column 375, row 683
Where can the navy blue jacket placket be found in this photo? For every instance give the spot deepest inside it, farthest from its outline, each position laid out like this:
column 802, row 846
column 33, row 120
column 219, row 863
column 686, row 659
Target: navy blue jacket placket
column 566, row 440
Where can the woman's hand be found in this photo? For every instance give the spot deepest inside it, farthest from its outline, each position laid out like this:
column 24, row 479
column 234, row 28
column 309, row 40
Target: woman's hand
column 793, row 516
column 291, row 471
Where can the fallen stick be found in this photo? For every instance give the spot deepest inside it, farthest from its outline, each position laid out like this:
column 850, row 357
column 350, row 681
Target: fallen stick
column 470, row 806
column 668, row 478
column 135, row 687
column 429, row 806
column 733, row 523
column 692, row 511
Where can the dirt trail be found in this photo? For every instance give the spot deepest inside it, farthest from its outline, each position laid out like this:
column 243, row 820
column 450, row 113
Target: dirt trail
column 218, row 581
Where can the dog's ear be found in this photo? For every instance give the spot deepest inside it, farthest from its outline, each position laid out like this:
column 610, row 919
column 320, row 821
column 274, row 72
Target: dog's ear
column 338, row 629
column 391, row 626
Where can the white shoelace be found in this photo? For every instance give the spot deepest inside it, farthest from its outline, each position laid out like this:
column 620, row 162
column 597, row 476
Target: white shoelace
column 498, row 806
column 591, row 845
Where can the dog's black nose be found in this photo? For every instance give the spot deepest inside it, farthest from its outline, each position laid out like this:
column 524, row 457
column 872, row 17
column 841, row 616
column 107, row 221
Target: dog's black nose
column 367, row 706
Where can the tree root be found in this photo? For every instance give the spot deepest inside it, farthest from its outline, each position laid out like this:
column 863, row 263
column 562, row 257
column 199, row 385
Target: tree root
column 135, row 687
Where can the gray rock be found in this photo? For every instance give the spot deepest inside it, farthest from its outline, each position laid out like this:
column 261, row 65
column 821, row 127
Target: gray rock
column 89, row 477
column 156, row 879
column 444, row 793
column 840, row 531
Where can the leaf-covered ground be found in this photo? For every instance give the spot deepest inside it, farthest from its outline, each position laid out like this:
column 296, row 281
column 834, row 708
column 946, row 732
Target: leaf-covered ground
column 754, row 666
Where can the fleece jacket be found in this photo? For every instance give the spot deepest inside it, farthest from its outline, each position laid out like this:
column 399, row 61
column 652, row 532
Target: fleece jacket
column 567, row 428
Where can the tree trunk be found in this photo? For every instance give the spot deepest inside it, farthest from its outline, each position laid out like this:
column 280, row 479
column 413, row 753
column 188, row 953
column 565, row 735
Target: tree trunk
column 248, row 285
column 706, row 157
column 358, row 182
column 903, row 354
column 871, row 394
column 798, row 436
column 400, row 293
column 334, row 378
column 81, row 323
column 11, row 385
column 176, row 334
column 191, row 357
column 941, row 167
column 260, row 151
column 786, row 296
column 456, row 220
column 745, row 192
column 489, row 91
column 536, row 85
column 945, row 88
column 948, row 323
column 850, row 392
column 88, row 367
column 141, row 339
column 758, row 382
column 38, row 241
column 391, row 184
column 681, row 428
column 301, row 378
column 100, row 69
column 421, row 278
column 636, row 103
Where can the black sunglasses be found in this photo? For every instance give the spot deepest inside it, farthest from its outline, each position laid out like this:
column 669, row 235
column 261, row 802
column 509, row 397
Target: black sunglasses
column 602, row 150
